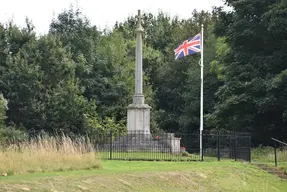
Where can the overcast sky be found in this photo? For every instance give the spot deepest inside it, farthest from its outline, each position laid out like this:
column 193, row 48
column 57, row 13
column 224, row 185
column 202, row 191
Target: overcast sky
column 100, row 12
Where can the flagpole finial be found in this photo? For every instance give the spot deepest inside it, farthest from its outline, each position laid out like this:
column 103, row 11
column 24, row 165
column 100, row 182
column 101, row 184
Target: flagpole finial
column 139, row 26
column 202, row 25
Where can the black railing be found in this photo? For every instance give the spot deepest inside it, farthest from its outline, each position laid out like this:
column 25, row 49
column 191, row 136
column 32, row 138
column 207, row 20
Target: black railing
column 282, row 149
column 140, row 145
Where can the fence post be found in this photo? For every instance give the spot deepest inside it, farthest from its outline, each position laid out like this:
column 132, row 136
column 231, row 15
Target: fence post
column 230, row 146
column 235, row 146
column 111, row 147
column 169, row 135
column 249, row 147
column 218, row 146
column 275, row 153
column 201, row 135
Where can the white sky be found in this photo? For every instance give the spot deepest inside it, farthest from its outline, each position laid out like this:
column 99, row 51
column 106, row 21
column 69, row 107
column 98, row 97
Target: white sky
column 102, row 13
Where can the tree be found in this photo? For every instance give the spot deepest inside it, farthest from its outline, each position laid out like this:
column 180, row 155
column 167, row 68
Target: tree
column 3, row 108
column 42, row 90
column 102, row 65
column 12, row 38
column 249, row 99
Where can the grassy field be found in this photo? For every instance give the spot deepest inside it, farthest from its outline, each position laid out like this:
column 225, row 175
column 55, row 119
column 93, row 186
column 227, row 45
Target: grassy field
column 60, row 164
column 151, row 176
column 44, row 154
column 265, row 155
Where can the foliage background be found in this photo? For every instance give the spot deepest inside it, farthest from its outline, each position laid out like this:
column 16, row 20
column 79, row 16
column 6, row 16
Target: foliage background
column 77, row 79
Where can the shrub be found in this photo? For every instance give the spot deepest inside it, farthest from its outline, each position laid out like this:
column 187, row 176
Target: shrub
column 3, row 108
column 185, row 154
column 11, row 135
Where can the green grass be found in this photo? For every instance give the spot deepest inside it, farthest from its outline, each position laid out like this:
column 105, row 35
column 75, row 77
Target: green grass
column 43, row 154
column 265, row 155
column 151, row 176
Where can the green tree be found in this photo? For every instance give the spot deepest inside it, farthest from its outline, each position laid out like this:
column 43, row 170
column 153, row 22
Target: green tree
column 12, row 38
column 252, row 97
column 3, row 108
column 102, row 65
column 43, row 91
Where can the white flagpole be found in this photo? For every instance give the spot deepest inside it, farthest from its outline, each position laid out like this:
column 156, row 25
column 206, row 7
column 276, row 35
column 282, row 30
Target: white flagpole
column 201, row 93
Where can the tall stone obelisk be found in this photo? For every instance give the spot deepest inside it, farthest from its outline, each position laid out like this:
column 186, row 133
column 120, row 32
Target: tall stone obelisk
column 138, row 113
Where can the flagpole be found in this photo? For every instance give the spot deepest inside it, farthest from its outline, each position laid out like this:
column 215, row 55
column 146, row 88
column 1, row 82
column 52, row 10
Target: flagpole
column 201, row 93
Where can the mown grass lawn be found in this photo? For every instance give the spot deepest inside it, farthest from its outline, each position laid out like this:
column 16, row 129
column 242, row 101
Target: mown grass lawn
column 151, row 177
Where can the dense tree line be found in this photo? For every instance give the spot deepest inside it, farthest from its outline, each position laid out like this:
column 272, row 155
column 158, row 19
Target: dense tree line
column 78, row 80
column 252, row 67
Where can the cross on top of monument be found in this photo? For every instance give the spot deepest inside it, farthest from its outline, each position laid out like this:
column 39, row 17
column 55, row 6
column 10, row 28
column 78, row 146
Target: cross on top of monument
column 139, row 26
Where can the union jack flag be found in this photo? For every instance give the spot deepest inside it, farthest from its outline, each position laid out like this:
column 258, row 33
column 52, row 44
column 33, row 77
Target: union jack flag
column 188, row 47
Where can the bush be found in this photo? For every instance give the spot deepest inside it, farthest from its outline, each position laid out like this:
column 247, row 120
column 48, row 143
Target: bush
column 3, row 108
column 11, row 135
column 185, row 154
